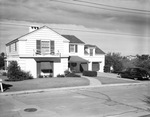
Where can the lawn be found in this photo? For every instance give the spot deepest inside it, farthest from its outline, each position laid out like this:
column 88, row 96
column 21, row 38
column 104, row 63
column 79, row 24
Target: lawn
column 109, row 80
column 43, row 83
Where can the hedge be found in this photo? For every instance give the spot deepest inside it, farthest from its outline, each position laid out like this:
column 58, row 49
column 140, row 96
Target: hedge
column 90, row 73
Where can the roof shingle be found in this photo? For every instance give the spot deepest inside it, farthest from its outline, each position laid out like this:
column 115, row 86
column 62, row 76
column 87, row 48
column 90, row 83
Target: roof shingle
column 73, row 39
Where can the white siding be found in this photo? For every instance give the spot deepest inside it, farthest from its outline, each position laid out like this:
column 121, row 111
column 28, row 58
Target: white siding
column 97, row 58
column 59, row 68
column 22, row 47
column 28, row 65
column 43, row 34
column 66, row 48
column 31, row 66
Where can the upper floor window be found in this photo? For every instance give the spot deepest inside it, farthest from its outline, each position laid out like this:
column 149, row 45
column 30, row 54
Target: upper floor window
column 45, row 46
column 73, row 48
column 91, row 52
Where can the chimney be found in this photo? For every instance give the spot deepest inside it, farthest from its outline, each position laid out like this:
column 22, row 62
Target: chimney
column 33, row 28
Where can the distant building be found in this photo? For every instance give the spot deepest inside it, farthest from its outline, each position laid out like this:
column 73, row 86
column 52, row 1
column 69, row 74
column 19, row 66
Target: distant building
column 131, row 57
column 43, row 51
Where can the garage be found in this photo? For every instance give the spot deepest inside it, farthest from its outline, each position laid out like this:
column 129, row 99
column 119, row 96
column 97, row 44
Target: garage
column 95, row 66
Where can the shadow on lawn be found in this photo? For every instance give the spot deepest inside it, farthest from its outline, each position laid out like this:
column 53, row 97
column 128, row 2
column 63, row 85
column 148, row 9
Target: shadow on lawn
column 6, row 86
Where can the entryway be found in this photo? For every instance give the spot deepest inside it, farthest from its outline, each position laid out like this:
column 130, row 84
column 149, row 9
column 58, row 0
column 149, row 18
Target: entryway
column 45, row 68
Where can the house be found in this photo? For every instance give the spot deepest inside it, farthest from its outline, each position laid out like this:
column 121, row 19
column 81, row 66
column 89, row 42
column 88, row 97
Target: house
column 43, row 51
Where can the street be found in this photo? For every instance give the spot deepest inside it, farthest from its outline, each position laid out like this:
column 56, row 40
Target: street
column 109, row 101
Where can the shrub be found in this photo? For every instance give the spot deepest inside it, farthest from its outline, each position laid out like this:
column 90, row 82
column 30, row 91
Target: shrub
column 16, row 74
column 60, row 75
column 66, row 72
column 4, row 73
column 72, row 75
column 90, row 73
column 40, row 76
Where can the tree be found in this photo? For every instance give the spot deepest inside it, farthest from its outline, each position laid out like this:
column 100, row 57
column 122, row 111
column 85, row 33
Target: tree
column 16, row 74
column 114, row 60
column 143, row 61
column 2, row 60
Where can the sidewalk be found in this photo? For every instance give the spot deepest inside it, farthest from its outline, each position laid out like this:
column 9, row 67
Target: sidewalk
column 93, row 81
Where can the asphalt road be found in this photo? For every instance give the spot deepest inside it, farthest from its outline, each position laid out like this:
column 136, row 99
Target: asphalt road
column 110, row 101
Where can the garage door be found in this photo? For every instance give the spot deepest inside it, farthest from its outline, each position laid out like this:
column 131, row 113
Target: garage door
column 83, row 67
column 95, row 66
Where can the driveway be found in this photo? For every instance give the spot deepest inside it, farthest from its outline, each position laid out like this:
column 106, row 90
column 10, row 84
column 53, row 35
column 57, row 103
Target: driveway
column 118, row 101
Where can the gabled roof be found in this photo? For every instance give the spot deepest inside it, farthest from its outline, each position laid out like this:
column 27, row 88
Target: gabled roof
column 73, row 39
column 15, row 40
column 97, row 50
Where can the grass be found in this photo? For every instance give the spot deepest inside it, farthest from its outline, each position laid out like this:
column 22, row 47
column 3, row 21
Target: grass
column 43, row 83
column 109, row 80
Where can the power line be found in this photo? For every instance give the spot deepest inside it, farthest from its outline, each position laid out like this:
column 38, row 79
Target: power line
column 77, row 30
column 112, row 6
column 108, row 9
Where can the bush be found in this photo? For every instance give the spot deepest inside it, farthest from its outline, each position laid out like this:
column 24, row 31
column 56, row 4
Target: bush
column 90, row 73
column 66, row 72
column 16, row 74
column 72, row 75
column 60, row 75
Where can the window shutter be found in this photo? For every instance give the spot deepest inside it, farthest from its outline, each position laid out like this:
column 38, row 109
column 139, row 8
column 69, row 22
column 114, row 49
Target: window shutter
column 76, row 48
column 52, row 47
column 69, row 47
column 38, row 46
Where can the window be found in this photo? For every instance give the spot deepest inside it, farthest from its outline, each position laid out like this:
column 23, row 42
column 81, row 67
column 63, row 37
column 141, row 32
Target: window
column 73, row 48
column 45, row 47
column 91, row 52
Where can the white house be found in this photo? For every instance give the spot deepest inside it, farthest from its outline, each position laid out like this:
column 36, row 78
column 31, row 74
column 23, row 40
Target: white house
column 43, row 51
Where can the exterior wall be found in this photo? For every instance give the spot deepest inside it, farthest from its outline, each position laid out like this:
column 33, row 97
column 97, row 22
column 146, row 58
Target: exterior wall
column 30, row 66
column 66, row 48
column 59, row 68
column 22, row 47
column 46, row 35
column 96, row 58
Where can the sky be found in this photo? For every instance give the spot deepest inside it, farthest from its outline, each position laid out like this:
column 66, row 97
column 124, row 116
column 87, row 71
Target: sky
column 121, row 26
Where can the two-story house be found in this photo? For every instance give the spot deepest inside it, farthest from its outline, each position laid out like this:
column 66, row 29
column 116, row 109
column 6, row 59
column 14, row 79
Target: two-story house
column 43, row 50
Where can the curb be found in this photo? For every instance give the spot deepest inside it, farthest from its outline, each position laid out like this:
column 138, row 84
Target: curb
column 66, row 88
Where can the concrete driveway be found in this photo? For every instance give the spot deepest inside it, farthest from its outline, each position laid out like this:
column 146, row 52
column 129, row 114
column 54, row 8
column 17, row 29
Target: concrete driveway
column 111, row 101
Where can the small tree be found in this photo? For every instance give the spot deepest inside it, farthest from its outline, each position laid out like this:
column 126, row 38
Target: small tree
column 16, row 74
column 2, row 60
column 113, row 59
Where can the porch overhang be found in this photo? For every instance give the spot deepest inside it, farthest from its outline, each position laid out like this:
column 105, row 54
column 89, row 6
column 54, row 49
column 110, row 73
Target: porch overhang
column 77, row 59
column 47, row 59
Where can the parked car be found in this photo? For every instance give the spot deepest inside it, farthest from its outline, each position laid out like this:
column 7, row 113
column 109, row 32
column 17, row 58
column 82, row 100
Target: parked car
column 135, row 73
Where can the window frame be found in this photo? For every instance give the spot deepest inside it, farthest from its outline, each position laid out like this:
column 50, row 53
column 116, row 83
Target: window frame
column 75, row 48
column 91, row 52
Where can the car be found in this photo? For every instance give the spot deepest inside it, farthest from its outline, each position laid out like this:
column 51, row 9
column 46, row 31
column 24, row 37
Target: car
column 135, row 73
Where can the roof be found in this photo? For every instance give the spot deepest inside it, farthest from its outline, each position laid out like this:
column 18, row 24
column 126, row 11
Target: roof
column 73, row 39
column 77, row 59
column 15, row 40
column 97, row 49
